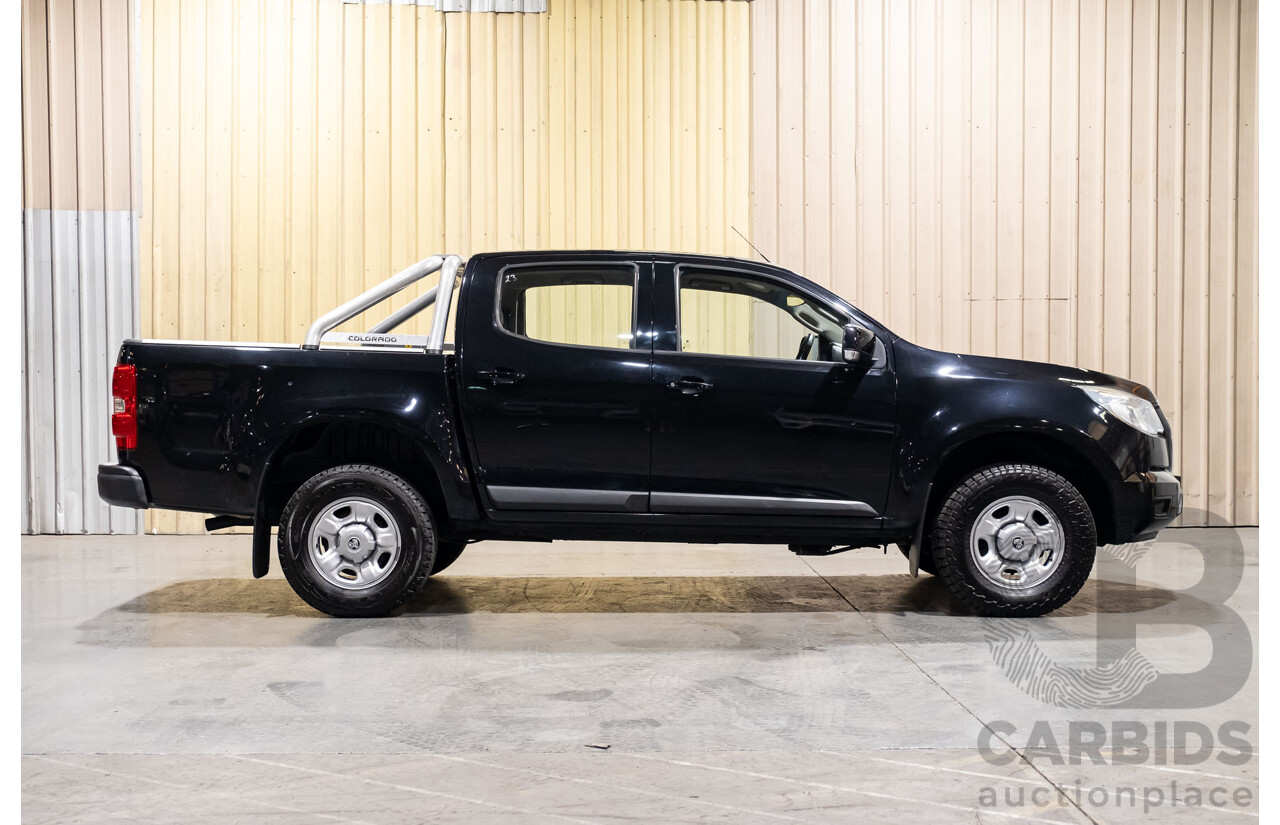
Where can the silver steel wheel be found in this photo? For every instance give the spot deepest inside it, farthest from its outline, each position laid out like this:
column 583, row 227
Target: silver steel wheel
column 354, row 543
column 1017, row 542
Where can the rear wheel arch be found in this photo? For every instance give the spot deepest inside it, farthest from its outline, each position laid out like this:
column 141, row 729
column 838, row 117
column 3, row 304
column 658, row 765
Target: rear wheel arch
column 318, row 446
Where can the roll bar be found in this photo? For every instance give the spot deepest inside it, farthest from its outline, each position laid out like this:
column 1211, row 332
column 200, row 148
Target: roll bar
column 441, row 296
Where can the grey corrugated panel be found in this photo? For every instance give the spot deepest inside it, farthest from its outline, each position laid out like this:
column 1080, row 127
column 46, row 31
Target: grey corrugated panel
column 79, row 271
column 37, row 342
column 94, row 391
column 80, row 255
column 68, row 427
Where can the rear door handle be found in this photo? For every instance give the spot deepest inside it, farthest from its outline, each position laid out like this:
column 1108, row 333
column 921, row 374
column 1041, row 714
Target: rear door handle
column 690, row 386
column 502, row 375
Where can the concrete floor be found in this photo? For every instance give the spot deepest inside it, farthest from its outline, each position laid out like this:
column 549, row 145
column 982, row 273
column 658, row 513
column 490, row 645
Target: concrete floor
column 593, row 683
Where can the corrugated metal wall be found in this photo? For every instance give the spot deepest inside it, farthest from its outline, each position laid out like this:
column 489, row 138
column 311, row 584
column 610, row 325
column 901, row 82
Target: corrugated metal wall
column 79, row 282
column 1071, row 180
column 465, row 5
column 1063, row 180
column 295, row 152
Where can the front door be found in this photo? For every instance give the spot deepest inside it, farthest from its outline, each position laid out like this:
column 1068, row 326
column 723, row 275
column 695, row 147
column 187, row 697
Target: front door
column 756, row 412
column 556, row 382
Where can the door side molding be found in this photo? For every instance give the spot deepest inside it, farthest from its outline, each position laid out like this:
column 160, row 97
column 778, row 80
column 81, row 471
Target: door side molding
column 568, row 498
column 720, row 504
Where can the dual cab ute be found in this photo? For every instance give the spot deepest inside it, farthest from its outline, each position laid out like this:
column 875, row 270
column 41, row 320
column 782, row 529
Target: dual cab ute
column 637, row 396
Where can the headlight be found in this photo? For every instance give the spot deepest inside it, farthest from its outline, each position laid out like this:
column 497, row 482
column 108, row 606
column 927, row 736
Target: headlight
column 1129, row 408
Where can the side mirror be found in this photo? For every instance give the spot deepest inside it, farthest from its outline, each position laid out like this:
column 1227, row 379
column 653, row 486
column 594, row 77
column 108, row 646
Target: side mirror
column 858, row 343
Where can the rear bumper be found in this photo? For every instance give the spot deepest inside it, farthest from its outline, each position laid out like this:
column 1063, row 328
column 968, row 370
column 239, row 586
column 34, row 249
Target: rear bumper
column 122, row 486
column 1145, row 504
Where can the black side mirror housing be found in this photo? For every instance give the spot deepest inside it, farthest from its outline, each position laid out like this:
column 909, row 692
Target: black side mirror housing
column 859, row 343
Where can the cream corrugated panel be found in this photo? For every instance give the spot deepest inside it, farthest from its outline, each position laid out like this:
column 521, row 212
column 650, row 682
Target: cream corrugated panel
column 1072, row 181
column 79, row 255
column 523, row 6
column 282, row 174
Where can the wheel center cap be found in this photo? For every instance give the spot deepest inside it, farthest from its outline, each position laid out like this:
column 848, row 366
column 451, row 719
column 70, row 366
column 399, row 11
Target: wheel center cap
column 356, row 542
column 1015, row 542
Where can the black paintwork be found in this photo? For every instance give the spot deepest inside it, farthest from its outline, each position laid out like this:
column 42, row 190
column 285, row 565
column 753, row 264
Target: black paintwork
column 768, row 427
column 215, row 422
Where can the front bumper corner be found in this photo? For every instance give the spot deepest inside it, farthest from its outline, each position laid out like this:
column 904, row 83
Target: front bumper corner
column 1145, row 504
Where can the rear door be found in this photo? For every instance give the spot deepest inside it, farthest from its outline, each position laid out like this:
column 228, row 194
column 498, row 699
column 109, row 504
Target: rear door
column 756, row 412
column 556, row 378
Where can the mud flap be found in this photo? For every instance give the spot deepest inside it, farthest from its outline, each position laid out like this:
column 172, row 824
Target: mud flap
column 261, row 543
column 913, row 556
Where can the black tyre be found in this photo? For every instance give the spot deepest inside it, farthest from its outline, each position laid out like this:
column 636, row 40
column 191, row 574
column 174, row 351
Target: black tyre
column 447, row 553
column 1014, row 540
column 356, row 541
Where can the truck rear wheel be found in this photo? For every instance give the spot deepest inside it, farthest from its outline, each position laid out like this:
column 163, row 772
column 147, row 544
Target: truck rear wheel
column 356, row 541
column 1014, row 540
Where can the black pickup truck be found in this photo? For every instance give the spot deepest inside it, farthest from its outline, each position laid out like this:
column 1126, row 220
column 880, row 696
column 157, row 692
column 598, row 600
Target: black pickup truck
column 637, row 396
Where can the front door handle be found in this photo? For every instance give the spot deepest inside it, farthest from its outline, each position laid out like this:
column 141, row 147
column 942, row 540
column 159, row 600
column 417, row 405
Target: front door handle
column 502, row 375
column 690, row 386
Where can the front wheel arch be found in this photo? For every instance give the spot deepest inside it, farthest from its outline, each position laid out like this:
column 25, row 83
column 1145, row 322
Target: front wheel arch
column 1023, row 448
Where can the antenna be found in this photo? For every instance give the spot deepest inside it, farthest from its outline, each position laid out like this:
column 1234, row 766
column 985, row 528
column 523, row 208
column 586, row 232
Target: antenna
column 749, row 243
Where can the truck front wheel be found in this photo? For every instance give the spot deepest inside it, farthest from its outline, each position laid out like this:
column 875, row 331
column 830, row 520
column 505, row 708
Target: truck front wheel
column 1014, row 540
column 356, row 541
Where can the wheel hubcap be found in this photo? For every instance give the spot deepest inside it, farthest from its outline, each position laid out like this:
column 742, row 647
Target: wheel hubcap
column 1017, row 542
column 354, row 543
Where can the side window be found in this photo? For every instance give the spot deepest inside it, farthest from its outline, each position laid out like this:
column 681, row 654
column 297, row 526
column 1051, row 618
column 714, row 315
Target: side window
column 585, row 306
column 727, row 313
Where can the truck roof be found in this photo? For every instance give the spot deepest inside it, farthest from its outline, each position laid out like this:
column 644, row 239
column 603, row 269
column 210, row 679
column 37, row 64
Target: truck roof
column 618, row 254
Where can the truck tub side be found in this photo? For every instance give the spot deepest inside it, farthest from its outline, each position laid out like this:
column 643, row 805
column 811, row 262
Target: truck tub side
column 212, row 419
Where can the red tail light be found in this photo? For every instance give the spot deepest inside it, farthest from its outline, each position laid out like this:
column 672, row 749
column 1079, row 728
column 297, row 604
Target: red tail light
column 124, row 406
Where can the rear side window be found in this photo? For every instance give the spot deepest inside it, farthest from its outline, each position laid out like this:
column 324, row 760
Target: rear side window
column 583, row 306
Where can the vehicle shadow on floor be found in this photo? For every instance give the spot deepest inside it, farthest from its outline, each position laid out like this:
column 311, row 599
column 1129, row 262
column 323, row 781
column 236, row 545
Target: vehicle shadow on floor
column 453, row 595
